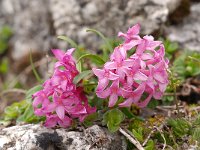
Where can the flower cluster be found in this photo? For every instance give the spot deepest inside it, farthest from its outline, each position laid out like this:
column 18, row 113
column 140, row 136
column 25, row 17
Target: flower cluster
column 60, row 100
column 138, row 77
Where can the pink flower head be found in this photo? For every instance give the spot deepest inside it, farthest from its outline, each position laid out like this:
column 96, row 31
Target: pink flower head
column 119, row 63
column 104, row 77
column 60, row 100
column 142, row 75
column 113, row 92
column 131, row 37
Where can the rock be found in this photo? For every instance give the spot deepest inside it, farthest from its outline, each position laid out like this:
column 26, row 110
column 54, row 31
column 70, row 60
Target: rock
column 31, row 24
column 187, row 33
column 37, row 23
column 37, row 137
column 73, row 17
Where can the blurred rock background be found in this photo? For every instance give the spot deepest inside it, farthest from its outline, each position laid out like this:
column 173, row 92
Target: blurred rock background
column 36, row 24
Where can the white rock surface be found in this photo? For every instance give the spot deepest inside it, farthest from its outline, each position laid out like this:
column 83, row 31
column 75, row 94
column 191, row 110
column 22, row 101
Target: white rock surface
column 36, row 137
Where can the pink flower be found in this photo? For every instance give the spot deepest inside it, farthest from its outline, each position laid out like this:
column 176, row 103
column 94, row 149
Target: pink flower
column 40, row 103
column 119, row 63
column 113, row 92
column 142, row 74
column 61, row 100
column 104, row 76
column 66, row 60
column 131, row 37
column 53, row 120
column 132, row 96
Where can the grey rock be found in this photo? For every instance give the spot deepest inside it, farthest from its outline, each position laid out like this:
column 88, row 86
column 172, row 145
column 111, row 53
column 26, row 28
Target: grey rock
column 36, row 23
column 187, row 34
column 27, row 137
column 30, row 21
column 109, row 17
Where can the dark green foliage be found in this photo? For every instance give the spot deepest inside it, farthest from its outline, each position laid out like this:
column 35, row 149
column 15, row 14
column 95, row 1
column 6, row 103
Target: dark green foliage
column 185, row 67
column 95, row 58
column 113, row 118
column 180, row 127
column 170, row 48
column 82, row 75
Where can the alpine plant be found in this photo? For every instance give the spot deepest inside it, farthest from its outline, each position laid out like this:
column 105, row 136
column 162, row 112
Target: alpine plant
column 137, row 77
column 60, row 100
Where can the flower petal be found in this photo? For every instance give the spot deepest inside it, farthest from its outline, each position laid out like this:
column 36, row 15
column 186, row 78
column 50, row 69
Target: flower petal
column 66, row 122
column 159, row 77
column 140, row 76
column 59, row 54
column 60, row 110
column 113, row 76
column 126, row 103
column 145, row 102
column 128, row 63
column 98, row 72
column 112, row 100
column 102, row 84
column 134, row 30
column 104, row 93
column 70, row 51
column 51, row 121
column 157, row 95
column 163, row 86
column 110, row 65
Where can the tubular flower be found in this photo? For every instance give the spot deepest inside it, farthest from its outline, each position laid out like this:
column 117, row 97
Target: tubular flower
column 137, row 78
column 60, row 101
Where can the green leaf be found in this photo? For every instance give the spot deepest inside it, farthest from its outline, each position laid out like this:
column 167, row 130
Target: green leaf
column 112, row 128
column 105, row 118
column 97, row 102
column 138, row 135
column 113, row 118
column 34, row 70
column 180, row 126
column 196, row 134
column 79, row 66
column 170, row 47
column 81, row 75
column 70, row 41
column 197, row 121
column 150, row 145
column 103, row 37
column 130, row 115
column 29, row 116
column 153, row 103
column 31, row 91
column 16, row 109
column 95, row 59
